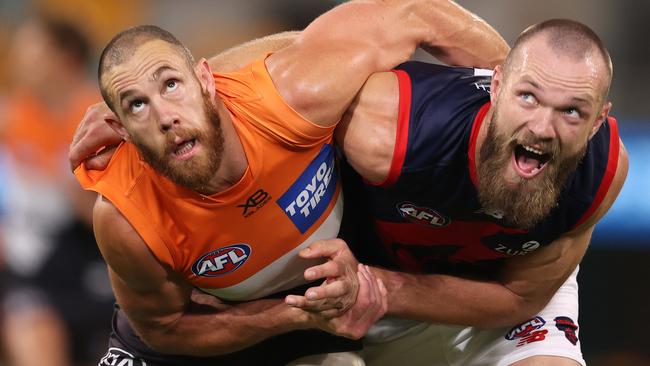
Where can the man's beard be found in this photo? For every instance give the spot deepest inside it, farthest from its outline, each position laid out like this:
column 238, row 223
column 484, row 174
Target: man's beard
column 194, row 173
column 532, row 200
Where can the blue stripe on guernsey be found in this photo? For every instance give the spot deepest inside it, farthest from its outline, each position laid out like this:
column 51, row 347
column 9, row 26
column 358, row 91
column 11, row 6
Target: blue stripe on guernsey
column 309, row 196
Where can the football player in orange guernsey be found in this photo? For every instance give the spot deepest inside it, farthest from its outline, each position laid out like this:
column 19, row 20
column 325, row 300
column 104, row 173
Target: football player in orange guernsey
column 224, row 178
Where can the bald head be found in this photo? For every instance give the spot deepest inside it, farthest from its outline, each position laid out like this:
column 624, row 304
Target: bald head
column 124, row 45
column 567, row 38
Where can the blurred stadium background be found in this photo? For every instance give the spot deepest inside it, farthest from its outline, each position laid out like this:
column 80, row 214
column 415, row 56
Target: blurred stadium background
column 614, row 297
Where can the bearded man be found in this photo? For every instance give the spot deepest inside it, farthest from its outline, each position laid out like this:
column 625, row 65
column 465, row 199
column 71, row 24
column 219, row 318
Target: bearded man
column 482, row 194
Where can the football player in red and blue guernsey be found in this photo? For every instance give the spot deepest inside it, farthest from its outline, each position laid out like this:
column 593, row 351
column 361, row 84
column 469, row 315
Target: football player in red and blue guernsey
column 483, row 193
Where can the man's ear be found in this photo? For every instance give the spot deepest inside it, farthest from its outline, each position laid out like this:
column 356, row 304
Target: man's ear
column 118, row 127
column 602, row 116
column 497, row 82
column 204, row 74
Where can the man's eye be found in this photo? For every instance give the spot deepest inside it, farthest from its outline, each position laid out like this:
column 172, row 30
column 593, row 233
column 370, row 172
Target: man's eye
column 527, row 97
column 572, row 112
column 171, row 85
column 136, row 106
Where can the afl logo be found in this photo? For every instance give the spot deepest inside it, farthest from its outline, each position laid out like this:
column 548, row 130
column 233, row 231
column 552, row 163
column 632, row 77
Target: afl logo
column 421, row 215
column 221, row 261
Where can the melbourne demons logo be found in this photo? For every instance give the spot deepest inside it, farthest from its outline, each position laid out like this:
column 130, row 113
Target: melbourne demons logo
column 308, row 197
column 421, row 215
column 221, row 261
column 570, row 329
column 528, row 332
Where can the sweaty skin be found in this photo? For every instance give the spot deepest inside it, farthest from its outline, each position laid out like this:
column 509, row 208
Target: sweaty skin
column 308, row 76
column 553, row 97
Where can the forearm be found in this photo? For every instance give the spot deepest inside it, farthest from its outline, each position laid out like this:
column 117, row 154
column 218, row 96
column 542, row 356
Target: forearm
column 459, row 37
column 205, row 331
column 239, row 56
column 454, row 300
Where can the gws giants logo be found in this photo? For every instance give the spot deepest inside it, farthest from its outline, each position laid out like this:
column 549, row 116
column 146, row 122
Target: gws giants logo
column 421, row 215
column 306, row 200
column 221, row 261
column 566, row 325
column 527, row 332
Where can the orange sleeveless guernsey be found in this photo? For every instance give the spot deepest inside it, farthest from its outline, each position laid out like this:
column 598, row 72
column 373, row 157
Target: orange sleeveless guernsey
column 242, row 243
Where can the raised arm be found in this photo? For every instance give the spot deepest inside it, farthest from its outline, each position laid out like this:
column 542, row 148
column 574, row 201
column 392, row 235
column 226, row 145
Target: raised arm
column 469, row 41
column 321, row 72
column 241, row 55
column 453, row 35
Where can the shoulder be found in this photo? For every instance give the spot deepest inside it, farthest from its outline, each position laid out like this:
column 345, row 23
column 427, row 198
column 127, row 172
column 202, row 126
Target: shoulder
column 613, row 191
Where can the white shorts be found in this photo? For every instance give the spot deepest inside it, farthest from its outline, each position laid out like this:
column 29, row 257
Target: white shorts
column 553, row 332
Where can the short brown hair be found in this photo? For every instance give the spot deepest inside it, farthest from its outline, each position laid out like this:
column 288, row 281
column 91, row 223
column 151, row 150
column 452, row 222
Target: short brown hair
column 126, row 42
column 572, row 38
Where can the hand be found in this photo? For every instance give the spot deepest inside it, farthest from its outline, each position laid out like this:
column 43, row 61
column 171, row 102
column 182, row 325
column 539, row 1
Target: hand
column 94, row 141
column 370, row 305
column 338, row 292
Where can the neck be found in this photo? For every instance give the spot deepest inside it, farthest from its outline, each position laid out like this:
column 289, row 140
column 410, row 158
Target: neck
column 482, row 133
column 234, row 162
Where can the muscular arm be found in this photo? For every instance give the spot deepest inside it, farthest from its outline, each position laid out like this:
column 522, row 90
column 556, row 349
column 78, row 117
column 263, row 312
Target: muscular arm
column 239, row 56
column 448, row 31
column 321, row 72
column 159, row 304
column 523, row 288
column 467, row 40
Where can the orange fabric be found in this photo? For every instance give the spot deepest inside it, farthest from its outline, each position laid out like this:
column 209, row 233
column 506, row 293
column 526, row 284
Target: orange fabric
column 39, row 138
column 181, row 226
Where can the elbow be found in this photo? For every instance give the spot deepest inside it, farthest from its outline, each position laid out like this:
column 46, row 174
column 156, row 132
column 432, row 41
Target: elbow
column 515, row 311
column 165, row 342
column 158, row 341
column 522, row 310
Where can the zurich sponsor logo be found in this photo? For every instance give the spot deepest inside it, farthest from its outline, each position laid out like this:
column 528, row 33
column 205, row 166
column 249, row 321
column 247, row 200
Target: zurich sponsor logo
column 222, row 261
column 307, row 198
column 526, row 248
column 421, row 215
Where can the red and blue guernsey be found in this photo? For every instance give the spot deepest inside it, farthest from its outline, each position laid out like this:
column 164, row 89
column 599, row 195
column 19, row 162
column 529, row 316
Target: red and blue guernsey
column 427, row 214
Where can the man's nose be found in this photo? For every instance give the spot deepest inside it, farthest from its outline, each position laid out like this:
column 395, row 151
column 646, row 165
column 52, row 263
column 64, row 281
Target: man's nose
column 543, row 123
column 167, row 116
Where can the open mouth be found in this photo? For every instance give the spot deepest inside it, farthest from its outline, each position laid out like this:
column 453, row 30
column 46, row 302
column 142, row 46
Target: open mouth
column 530, row 161
column 184, row 149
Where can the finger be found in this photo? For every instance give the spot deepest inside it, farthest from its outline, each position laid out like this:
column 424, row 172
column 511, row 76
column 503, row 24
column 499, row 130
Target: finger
column 295, row 301
column 93, row 133
column 101, row 160
column 384, row 296
column 331, row 313
column 323, row 248
column 100, row 135
column 331, row 290
column 325, row 270
column 322, row 307
column 372, row 284
column 364, row 284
